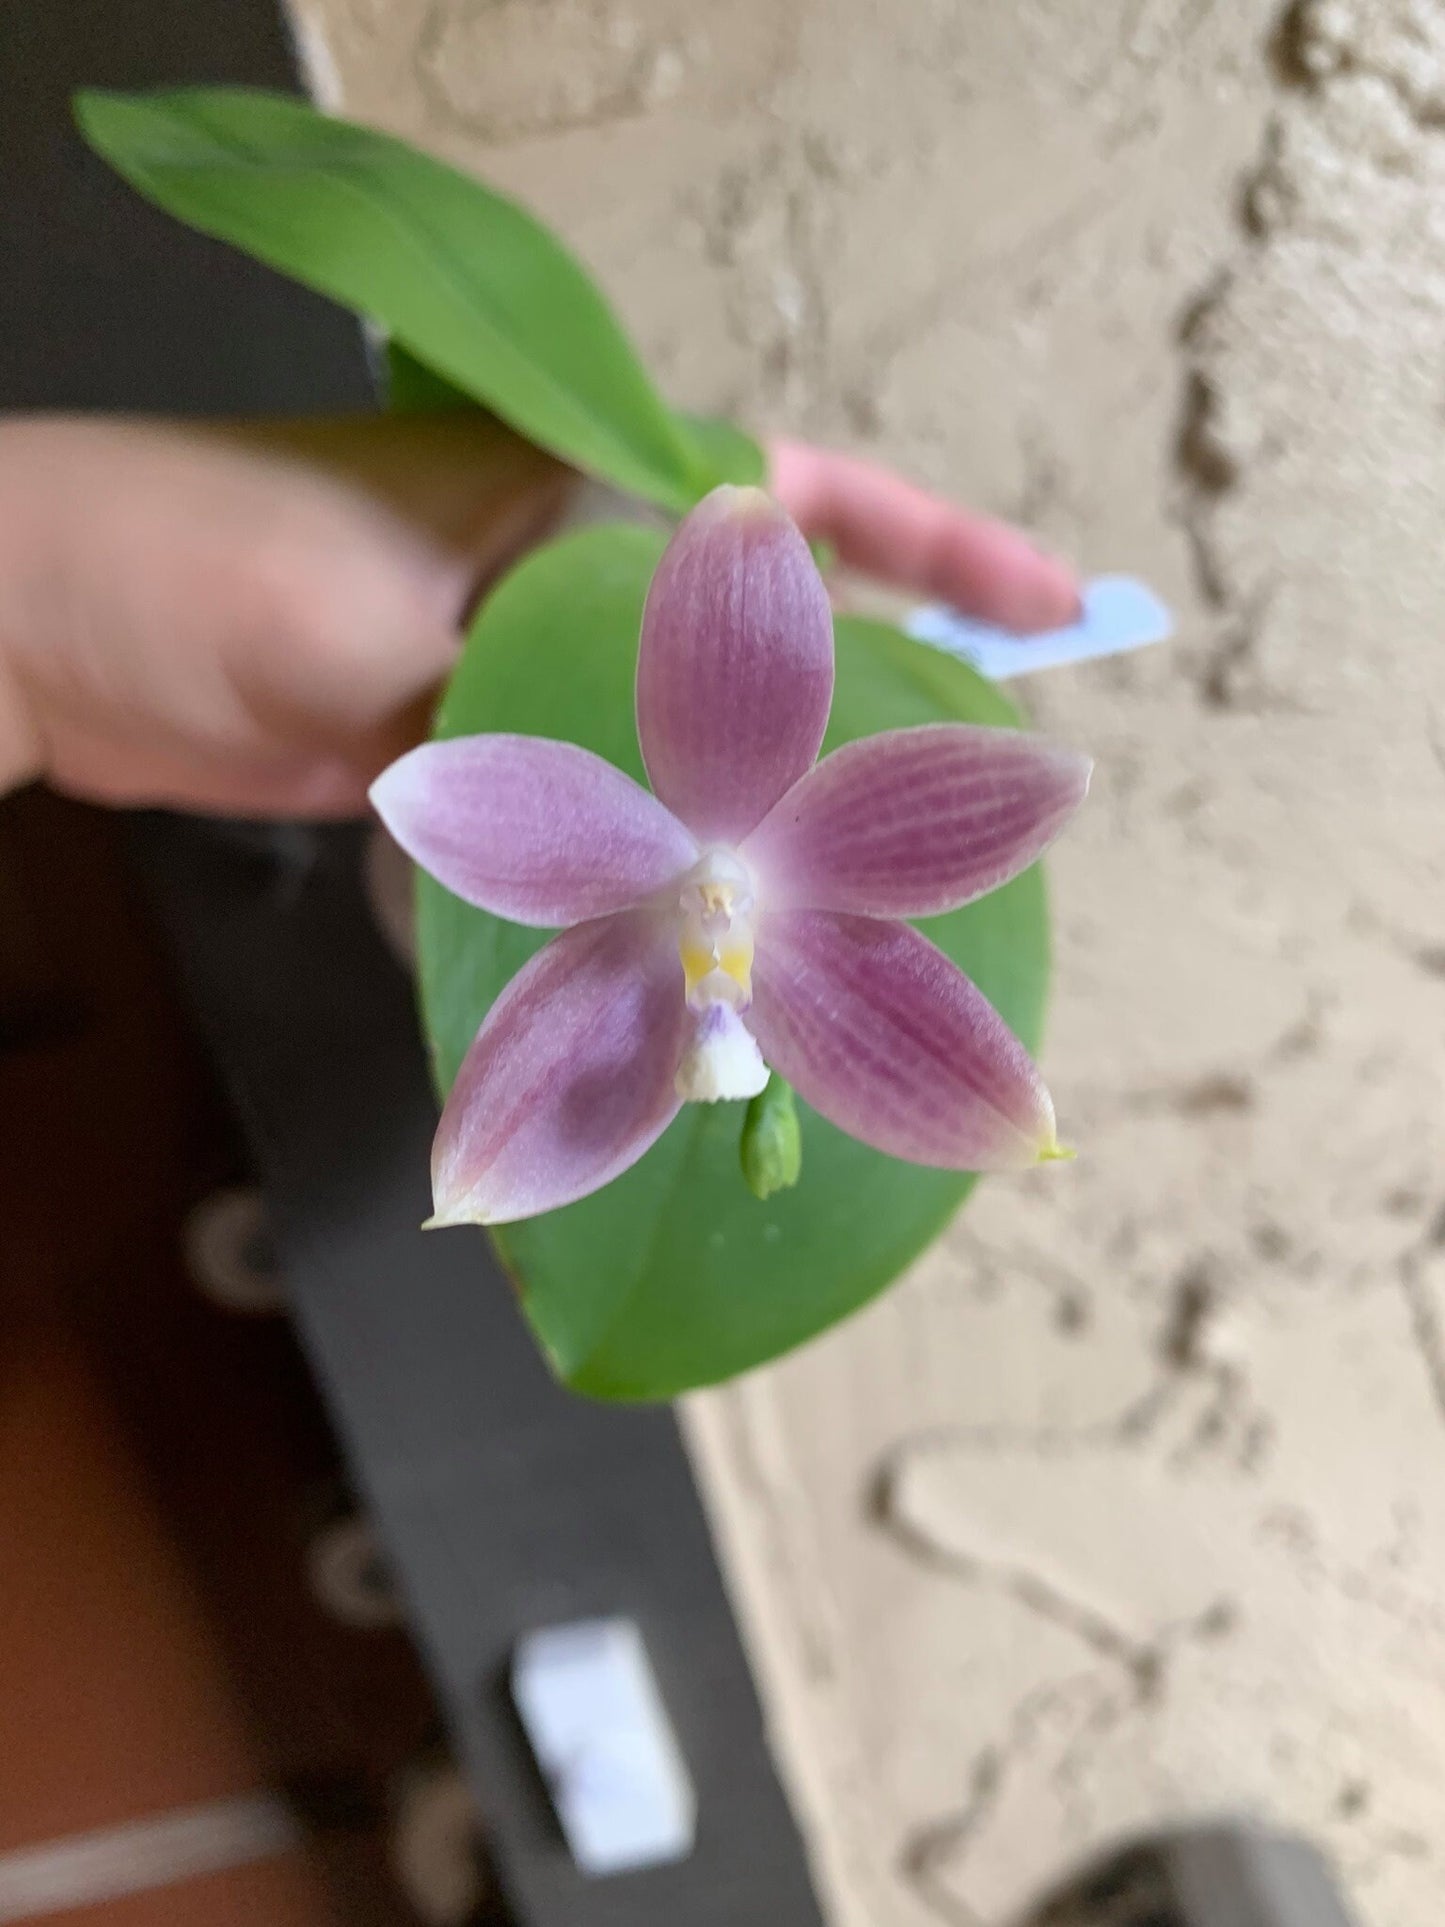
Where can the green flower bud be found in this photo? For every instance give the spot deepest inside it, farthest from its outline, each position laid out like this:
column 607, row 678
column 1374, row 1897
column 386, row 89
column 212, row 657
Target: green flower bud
column 772, row 1140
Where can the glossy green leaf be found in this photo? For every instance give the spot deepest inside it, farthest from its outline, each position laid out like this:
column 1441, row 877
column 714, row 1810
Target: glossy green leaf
column 725, row 451
column 414, row 389
column 676, row 1275
column 477, row 290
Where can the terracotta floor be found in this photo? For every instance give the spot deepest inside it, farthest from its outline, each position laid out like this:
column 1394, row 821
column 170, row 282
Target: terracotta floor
column 160, row 1459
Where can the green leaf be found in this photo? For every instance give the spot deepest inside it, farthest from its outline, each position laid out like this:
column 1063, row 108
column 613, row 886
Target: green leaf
column 414, row 389
column 725, row 451
column 475, row 288
column 676, row 1276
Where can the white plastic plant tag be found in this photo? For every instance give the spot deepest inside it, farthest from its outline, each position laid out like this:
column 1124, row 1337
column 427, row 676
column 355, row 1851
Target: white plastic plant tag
column 1119, row 614
column 595, row 1720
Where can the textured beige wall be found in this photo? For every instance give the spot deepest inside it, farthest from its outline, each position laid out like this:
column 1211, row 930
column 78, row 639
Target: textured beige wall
column 1132, row 1500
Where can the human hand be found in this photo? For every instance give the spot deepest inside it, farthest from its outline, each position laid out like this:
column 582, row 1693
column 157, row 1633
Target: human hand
column 248, row 619
column 254, row 618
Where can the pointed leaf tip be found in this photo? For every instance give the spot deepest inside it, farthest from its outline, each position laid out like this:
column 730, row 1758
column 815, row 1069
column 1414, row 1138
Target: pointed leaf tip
column 466, row 278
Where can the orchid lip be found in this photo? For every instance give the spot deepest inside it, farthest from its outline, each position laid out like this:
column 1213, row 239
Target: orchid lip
column 722, row 1061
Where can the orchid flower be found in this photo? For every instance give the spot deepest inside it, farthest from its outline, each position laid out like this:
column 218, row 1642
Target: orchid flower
column 746, row 913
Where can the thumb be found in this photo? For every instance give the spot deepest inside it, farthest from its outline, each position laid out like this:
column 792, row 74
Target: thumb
column 472, row 488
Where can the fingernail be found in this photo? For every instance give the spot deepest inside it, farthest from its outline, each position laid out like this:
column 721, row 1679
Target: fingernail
column 1048, row 597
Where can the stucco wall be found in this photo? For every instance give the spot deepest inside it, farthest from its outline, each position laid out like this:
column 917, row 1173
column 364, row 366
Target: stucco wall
column 1132, row 1500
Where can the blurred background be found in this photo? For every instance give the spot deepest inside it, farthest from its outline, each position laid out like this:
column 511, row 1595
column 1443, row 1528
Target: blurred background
column 1128, row 1504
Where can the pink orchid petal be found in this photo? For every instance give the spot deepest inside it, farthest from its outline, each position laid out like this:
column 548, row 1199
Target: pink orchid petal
column 885, row 1036
column 571, row 1076
column 916, row 821
column 735, row 668
column 539, row 832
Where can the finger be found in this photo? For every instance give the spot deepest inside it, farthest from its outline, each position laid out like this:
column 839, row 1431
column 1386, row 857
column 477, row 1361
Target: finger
column 285, row 784
column 885, row 527
column 324, row 781
column 22, row 751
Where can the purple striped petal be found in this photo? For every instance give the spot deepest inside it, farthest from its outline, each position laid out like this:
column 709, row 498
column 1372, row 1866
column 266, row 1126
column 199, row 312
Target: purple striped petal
column 571, row 1076
column 735, row 668
column 540, row 832
column 885, row 1036
column 916, row 821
